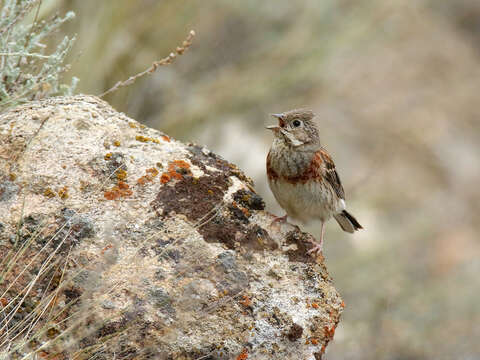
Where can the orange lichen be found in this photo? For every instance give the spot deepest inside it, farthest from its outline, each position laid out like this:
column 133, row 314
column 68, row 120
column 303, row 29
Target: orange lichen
column 323, row 349
column 111, row 195
column 315, row 305
column 3, row 302
column 63, row 193
column 116, row 143
column 143, row 180
column 123, row 185
column 307, row 342
column 151, row 173
column 342, row 304
column 210, row 192
column 180, row 164
column 122, row 189
column 175, row 175
column 245, row 212
column 48, row 193
column 165, row 138
column 246, row 301
column 314, row 341
column 109, row 246
column 329, row 333
column 121, row 174
column 165, row 178
column 178, row 168
column 108, row 156
column 243, row 355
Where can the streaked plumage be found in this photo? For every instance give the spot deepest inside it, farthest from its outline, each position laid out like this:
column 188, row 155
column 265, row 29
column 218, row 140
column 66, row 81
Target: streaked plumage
column 302, row 175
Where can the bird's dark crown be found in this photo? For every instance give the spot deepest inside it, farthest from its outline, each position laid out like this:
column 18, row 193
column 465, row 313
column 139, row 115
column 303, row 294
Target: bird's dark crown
column 296, row 127
column 300, row 114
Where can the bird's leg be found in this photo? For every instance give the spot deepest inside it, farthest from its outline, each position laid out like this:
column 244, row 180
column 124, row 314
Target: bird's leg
column 280, row 219
column 317, row 247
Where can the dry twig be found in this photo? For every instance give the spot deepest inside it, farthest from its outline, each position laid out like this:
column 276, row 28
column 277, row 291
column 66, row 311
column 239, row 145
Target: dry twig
column 162, row 62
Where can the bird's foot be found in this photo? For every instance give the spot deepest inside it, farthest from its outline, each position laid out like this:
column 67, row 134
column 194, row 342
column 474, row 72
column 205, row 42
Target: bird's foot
column 316, row 249
column 279, row 220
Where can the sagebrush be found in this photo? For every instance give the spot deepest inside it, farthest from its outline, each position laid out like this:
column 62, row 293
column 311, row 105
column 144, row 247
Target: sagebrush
column 29, row 69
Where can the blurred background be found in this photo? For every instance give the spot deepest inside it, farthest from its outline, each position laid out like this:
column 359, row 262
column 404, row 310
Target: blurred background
column 396, row 86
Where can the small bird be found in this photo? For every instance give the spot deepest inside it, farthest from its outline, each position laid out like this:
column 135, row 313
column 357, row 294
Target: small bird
column 302, row 175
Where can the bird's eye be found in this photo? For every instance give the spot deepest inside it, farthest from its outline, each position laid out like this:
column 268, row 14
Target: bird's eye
column 296, row 123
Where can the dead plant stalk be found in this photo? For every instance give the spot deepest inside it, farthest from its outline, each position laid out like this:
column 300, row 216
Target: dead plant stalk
column 180, row 50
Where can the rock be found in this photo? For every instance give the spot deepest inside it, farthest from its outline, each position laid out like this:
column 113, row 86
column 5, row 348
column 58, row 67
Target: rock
column 118, row 241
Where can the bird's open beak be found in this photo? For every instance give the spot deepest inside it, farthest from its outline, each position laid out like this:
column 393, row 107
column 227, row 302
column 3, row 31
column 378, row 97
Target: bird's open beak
column 280, row 122
column 273, row 127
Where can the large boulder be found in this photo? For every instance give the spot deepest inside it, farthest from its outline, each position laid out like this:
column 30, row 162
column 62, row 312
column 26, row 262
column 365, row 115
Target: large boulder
column 116, row 241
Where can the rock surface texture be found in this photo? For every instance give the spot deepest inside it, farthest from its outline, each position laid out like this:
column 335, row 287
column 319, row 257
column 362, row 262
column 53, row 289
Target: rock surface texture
column 117, row 241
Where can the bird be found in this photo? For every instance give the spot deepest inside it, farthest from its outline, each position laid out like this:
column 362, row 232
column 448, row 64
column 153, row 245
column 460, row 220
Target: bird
column 302, row 175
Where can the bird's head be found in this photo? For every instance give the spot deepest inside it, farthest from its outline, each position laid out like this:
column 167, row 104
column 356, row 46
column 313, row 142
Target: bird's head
column 295, row 128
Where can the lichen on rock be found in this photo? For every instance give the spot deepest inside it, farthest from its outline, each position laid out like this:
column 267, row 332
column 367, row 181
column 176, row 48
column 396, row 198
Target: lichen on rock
column 117, row 239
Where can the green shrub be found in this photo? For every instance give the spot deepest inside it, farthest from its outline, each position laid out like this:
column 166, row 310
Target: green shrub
column 29, row 70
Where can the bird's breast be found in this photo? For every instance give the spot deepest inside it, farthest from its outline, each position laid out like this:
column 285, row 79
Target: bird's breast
column 289, row 164
column 305, row 201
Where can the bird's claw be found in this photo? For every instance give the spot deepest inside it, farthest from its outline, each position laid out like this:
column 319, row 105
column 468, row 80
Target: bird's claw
column 316, row 249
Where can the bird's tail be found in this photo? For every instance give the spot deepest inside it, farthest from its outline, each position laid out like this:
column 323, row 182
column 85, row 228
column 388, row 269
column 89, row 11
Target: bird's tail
column 347, row 222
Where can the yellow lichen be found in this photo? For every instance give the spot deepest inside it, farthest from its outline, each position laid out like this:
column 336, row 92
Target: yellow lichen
column 146, row 139
column 48, row 193
column 152, row 171
column 121, row 174
column 63, row 193
column 142, row 138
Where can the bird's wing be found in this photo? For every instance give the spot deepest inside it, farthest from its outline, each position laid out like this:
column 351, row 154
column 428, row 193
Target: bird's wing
column 331, row 175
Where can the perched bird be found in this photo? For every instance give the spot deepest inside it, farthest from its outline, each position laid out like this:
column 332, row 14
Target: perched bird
column 302, row 175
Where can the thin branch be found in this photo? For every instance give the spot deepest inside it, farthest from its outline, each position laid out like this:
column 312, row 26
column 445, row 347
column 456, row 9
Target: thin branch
column 25, row 54
column 162, row 62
